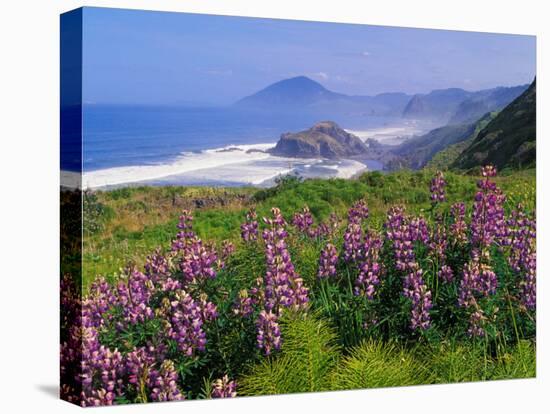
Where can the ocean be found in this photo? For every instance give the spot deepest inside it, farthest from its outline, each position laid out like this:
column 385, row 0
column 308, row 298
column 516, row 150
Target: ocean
column 169, row 145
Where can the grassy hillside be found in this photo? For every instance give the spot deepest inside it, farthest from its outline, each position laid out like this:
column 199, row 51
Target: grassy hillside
column 444, row 158
column 507, row 141
column 418, row 151
column 377, row 284
column 128, row 224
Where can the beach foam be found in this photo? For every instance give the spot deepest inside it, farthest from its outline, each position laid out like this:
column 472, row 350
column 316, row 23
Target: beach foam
column 186, row 162
column 349, row 168
column 230, row 165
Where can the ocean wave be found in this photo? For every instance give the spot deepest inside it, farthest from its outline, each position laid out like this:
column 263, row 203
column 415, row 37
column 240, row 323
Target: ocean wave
column 229, row 165
column 184, row 163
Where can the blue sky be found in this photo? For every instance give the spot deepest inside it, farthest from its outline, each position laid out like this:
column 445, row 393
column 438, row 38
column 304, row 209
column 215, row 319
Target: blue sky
column 145, row 57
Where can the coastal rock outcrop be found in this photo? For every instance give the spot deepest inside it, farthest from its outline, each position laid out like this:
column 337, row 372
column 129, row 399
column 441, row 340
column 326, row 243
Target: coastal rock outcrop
column 323, row 140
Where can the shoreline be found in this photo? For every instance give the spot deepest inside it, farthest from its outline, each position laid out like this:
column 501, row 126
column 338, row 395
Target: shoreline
column 259, row 173
column 239, row 165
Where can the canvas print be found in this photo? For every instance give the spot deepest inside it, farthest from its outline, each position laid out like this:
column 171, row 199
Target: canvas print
column 259, row 206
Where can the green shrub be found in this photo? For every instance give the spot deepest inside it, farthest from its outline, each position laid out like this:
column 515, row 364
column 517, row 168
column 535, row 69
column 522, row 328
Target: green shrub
column 308, row 355
column 378, row 364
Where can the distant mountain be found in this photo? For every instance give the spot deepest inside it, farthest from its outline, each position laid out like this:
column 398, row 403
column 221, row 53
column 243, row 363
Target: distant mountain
column 300, row 90
column 324, row 139
column 485, row 101
column 458, row 106
column 306, row 94
column 439, row 104
column 439, row 107
column 509, row 140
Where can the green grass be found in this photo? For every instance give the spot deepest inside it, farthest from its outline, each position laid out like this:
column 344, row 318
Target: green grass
column 328, row 347
column 135, row 221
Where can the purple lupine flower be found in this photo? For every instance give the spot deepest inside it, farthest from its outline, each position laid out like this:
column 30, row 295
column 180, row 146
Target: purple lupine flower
column 198, row 261
column 102, row 372
column 445, row 273
column 268, row 332
column 488, row 171
column 528, row 287
column 438, row 247
column 437, row 188
column 352, row 242
column 138, row 363
column 249, row 299
column 134, row 295
column 478, row 280
column 244, row 305
column 438, row 241
column 476, row 322
column 303, row 221
column 370, row 268
column 224, row 388
column 416, row 290
column 488, row 226
column 418, row 230
column 93, row 374
column 328, row 261
column 353, row 235
column 358, row 212
column 228, row 249
column 186, row 232
column 458, row 228
column 397, row 232
column 488, row 213
column 521, row 237
column 169, row 284
column 152, row 384
column 163, row 383
column 403, row 233
column 283, row 286
column 99, row 300
column 249, row 229
column 209, row 311
column 157, row 266
column 395, row 221
column 185, row 323
column 518, row 236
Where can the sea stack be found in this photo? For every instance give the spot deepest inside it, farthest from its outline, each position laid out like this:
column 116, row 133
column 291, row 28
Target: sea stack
column 323, row 140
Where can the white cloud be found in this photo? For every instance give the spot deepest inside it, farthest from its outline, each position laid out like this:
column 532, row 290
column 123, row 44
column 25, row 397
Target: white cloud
column 365, row 54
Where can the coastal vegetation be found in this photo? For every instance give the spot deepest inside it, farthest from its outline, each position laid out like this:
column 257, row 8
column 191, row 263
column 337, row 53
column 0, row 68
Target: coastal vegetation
column 411, row 277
